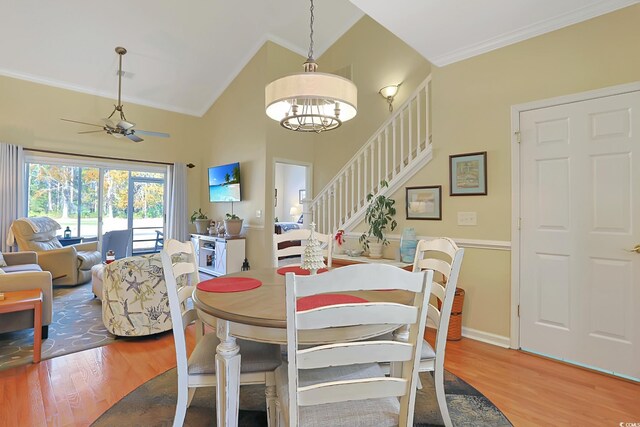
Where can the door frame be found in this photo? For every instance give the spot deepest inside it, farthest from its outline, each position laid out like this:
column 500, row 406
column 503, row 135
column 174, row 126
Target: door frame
column 515, row 183
column 308, row 174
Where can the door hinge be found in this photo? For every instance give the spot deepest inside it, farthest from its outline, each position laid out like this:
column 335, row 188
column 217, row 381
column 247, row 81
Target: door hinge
column 518, row 310
column 518, row 137
column 519, row 223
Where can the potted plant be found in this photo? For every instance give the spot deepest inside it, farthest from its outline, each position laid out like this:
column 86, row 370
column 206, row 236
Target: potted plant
column 200, row 220
column 232, row 225
column 379, row 216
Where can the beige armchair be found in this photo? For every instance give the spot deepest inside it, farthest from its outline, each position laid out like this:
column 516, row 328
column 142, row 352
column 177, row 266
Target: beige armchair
column 70, row 265
column 21, row 273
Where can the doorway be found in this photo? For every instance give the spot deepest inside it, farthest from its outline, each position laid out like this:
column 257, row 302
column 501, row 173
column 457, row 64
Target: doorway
column 290, row 188
column 576, row 276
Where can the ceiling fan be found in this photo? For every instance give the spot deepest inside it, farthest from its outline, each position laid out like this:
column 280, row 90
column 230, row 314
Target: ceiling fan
column 123, row 127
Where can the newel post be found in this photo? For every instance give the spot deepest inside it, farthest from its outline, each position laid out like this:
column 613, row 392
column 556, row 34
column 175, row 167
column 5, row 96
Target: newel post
column 306, row 212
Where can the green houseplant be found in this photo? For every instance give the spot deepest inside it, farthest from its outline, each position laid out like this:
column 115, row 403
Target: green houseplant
column 379, row 217
column 232, row 225
column 200, row 220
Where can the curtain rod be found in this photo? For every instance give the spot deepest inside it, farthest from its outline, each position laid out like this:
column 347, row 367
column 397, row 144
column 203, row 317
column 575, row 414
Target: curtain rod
column 35, row 150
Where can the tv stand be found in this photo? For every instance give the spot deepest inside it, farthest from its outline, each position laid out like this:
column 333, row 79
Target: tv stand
column 218, row 256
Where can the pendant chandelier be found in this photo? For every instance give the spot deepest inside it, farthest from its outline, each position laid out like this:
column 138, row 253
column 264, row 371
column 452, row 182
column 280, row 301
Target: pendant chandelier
column 311, row 101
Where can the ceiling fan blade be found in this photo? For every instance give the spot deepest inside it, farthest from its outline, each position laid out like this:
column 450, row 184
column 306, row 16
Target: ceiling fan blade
column 134, row 137
column 92, row 131
column 82, row 123
column 109, row 123
column 123, row 124
column 150, row 133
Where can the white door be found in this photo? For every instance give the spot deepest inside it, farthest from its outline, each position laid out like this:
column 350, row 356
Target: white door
column 580, row 209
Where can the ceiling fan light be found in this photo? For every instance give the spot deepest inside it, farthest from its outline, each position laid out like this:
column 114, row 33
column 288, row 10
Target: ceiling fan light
column 123, row 124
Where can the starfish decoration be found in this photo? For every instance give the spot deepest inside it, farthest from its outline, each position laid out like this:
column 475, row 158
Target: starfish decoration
column 135, row 285
column 128, row 313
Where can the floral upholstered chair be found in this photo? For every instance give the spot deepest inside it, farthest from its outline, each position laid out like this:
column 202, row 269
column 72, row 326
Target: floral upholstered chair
column 135, row 301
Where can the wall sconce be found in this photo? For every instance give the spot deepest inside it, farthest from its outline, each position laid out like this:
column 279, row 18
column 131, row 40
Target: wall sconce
column 389, row 92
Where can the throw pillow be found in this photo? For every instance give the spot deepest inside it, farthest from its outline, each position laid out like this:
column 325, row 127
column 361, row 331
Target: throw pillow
column 3, row 263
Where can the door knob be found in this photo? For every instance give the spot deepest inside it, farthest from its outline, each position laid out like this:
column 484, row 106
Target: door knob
column 636, row 249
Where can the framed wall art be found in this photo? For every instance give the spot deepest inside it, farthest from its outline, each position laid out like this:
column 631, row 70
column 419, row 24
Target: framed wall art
column 468, row 174
column 424, row 202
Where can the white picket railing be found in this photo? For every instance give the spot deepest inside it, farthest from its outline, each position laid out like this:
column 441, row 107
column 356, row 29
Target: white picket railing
column 395, row 152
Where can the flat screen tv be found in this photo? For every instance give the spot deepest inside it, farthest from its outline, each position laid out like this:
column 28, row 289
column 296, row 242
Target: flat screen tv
column 224, row 183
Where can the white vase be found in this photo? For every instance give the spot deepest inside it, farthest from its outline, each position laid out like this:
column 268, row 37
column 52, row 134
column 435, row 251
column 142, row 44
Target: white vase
column 201, row 225
column 233, row 227
column 375, row 250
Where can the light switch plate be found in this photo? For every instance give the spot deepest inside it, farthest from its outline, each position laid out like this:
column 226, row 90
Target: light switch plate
column 467, row 218
column 258, row 213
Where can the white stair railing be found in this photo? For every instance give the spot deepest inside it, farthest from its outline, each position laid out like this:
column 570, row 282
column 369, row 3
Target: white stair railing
column 393, row 153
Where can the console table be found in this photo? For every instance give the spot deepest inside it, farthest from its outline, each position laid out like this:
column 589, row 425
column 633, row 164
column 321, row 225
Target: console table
column 342, row 260
column 27, row 300
column 218, row 255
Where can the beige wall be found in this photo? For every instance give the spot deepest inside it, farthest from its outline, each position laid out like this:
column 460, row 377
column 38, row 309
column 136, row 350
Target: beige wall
column 472, row 103
column 30, row 116
column 377, row 59
column 233, row 130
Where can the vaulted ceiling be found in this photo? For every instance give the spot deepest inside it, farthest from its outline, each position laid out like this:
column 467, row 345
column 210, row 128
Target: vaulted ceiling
column 182, row 55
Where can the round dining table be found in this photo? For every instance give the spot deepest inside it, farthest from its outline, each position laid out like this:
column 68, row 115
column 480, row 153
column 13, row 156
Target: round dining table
column 259, row 315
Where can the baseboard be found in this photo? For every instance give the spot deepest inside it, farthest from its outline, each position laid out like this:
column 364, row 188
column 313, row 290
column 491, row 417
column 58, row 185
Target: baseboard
column 486, row 337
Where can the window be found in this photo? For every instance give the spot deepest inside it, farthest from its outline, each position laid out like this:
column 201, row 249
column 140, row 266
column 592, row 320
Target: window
column 92, row 200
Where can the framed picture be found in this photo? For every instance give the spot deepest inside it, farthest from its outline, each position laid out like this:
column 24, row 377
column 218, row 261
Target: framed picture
column 424, row 202
column 468, row 174
column 302, row 194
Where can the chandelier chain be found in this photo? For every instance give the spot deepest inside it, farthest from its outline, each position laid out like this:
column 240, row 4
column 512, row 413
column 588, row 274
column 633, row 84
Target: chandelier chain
column 311, row 32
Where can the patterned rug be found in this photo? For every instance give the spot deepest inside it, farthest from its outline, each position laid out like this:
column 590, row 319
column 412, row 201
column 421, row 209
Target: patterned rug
column 76, row 325
column 153, row 404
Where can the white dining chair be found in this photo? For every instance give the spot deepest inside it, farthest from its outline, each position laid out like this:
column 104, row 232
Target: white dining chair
column 258, row 360
column 342, row 384
column 441, row 255
column 300, row 235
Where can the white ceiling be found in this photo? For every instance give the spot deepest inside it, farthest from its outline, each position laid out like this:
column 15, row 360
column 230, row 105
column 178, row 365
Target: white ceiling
column 182, row 55
column 446, row 31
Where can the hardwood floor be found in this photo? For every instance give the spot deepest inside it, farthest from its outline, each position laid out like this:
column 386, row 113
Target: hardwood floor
column 73, row 390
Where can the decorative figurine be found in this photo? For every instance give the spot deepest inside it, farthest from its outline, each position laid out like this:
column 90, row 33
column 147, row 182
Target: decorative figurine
column 313, row 260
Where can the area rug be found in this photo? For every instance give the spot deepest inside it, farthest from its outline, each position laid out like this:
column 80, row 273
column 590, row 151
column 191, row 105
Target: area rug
column 153, row 404
column 76, row 325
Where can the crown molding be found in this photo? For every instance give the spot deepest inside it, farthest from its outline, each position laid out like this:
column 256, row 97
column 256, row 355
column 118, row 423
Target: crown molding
column 542, row 27
column 67, row 86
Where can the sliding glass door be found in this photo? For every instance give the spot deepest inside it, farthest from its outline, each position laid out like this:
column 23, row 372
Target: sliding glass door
column 92, row 200
column 147, row 215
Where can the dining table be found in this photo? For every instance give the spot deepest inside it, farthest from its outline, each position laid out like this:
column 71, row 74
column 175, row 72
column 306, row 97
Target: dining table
column 259, row 314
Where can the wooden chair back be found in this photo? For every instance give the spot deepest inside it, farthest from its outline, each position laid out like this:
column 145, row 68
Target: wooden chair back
column 302, row 235
column 355, row 278
column 181, row 315
column 441, row 255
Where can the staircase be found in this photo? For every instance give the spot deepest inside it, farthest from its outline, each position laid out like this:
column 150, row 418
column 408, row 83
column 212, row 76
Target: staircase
column 396, row 151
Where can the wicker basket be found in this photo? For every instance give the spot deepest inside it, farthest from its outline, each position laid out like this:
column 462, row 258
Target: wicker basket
column 455, row 321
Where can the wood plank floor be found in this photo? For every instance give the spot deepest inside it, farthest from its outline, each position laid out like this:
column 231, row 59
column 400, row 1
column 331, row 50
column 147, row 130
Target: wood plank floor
column 73, row 390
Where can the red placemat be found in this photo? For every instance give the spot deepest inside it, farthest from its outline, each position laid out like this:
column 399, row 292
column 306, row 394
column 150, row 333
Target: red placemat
column 298, row 271
column 315, row 301
column 229, row 284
